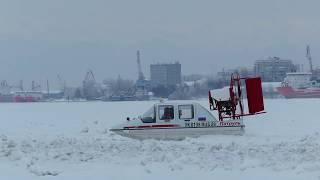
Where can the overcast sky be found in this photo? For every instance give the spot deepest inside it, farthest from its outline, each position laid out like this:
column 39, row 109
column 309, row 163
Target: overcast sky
column 42, row 38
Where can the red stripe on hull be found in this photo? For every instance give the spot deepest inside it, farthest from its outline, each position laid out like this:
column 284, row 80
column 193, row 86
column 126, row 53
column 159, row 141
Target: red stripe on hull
column 153, row 126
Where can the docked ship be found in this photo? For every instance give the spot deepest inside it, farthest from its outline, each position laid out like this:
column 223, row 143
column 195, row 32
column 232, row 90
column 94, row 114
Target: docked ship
column 8, row 95
column 21, row 96
column 300, row 85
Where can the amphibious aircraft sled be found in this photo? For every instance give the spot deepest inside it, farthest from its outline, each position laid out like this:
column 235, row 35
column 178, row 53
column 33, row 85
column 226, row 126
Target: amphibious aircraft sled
column 177, row 120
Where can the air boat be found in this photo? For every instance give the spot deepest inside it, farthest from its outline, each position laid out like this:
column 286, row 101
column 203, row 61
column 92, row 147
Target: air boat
column 178, row 120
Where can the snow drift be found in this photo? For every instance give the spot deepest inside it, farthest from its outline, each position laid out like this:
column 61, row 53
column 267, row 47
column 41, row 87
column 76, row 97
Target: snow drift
column 72, row 141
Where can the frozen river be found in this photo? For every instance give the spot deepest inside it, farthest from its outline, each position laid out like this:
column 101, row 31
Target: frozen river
column 72, row 141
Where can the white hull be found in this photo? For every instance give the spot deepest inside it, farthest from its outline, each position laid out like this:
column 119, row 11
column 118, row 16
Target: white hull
column 179, row 133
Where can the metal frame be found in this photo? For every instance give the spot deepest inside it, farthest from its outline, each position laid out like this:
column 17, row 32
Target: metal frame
column 227, row 109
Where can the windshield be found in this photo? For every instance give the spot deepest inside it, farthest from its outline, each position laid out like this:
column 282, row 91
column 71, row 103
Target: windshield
column 149, row 116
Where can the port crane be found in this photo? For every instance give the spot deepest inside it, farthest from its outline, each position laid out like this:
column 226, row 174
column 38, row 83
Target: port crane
column 308, row 55
column 140, row 73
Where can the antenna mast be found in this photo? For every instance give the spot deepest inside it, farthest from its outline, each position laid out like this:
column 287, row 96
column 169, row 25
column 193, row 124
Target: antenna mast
column 48, row 88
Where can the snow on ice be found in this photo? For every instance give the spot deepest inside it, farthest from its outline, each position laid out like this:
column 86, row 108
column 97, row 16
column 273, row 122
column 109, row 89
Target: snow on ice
column 72, row 141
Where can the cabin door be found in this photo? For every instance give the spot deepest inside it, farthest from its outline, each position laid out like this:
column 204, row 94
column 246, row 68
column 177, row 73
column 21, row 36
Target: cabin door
column 186, row 112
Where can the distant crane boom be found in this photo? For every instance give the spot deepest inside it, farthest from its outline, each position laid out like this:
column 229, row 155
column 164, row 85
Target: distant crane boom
column 89, row 76
column 308, row 55
column 141, row 76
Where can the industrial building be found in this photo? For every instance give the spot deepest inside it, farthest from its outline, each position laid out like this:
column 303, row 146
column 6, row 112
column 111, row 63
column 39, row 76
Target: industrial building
column 273, row 69
column 165, row 74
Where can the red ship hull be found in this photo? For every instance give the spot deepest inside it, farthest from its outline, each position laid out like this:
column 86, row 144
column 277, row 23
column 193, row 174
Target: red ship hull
column 289, row 92
column 12, row 98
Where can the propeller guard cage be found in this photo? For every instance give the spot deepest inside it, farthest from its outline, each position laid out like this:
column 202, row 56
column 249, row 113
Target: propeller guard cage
column 232, row 108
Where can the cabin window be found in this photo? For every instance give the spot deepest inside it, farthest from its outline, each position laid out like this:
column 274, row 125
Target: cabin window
column 149, row 116
column 186, row 112
column 166, row 112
